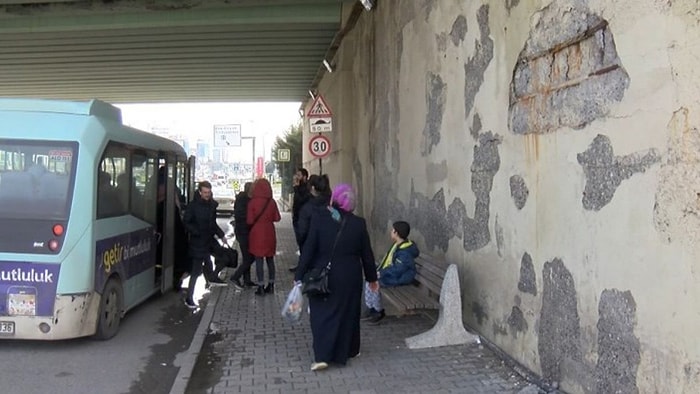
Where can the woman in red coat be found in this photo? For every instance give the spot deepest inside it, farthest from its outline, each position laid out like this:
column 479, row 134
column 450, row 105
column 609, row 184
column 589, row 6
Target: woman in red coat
column 261, row 217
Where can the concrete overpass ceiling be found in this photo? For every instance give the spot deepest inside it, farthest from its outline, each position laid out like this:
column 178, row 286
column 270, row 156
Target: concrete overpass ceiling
column 166, row 50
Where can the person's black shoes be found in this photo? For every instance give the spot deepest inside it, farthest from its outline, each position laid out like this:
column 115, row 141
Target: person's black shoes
column 270, row 288
column 191, row 304
column 374, row 320
column 368, row 314
column 260, row 291
column 236, row 283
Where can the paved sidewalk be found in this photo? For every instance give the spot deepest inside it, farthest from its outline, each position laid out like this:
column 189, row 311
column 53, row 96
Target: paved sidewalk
column 250, row 348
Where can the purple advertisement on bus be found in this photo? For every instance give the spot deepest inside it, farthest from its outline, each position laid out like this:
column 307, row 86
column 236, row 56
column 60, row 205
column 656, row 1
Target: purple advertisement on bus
column 126, row 254
column 27, row 289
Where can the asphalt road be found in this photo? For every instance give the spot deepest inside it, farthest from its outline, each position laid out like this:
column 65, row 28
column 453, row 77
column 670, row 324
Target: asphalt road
column 142, row 358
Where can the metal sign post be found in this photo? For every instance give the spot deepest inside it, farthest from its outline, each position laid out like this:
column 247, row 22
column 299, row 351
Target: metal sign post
column 320, row 146
column 320, row 121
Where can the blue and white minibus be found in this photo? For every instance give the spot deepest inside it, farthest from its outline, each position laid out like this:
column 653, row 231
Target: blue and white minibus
column 81, row 196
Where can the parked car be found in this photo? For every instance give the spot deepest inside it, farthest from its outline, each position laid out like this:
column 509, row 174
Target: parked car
column 225, row 197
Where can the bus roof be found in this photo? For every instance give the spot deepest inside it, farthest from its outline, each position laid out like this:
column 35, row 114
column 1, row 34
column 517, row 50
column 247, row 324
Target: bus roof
column 88, row 108
column 106, row 114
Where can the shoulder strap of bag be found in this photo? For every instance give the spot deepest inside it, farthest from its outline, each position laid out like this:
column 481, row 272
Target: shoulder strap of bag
column 337, row 236
column 261, row 212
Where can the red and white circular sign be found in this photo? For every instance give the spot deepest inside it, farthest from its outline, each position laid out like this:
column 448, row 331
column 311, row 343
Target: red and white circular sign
column 319, row 146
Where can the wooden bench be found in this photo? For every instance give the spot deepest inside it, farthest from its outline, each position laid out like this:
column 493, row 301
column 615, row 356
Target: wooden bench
column 436, row 287
column 424, row 293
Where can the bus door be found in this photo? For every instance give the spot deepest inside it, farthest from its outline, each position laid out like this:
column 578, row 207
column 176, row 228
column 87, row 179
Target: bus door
column 168, row 235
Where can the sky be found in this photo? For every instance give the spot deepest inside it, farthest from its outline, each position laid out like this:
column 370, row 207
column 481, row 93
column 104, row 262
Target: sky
column 195, row 121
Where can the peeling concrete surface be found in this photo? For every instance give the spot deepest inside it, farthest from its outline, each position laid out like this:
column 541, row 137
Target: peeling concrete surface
column 499, row 237
column 476, row 126
column 677, row 208
column 475, row 68
column 568, row 73
column 518, row 191
column 459, row 30
column 435, row 98
column 517, row 322
column 559, row 330
column 565, row 76
column 510, row 4
column 618, row 347
column 528, row 278
column 499, row 329
column 439, row 224
column 430, row 217
column 475, row 230
column 479, row 312
column 605, row 172
column 357, row 173
column 437, row 172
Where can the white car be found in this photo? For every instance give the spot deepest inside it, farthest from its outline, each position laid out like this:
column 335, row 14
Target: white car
column 226, row 198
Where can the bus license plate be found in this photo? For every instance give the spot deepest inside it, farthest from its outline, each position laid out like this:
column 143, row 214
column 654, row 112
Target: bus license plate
column 7, row 328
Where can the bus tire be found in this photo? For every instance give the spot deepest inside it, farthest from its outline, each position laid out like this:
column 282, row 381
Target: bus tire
column 111, row 305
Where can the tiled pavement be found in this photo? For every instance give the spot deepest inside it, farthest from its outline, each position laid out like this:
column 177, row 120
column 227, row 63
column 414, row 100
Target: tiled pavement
column 250, row 348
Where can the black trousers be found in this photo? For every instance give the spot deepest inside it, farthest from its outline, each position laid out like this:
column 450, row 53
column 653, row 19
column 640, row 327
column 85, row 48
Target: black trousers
column 246, row 263
column 199, row 265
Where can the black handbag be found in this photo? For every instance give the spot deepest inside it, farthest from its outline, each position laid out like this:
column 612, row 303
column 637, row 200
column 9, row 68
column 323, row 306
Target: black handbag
column 315, row 281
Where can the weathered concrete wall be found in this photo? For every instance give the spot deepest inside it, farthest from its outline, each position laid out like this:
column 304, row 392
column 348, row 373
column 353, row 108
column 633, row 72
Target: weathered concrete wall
column 551, row 149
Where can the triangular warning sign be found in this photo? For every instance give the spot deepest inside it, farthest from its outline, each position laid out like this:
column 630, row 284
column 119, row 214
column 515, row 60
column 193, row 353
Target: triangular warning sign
column 319, row 108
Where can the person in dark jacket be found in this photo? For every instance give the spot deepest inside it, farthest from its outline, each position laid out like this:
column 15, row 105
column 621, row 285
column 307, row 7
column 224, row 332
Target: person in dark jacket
column 335, row 318
column 261, row 217
column 320, row 190
column 397, row 268
column 200, row 221
column 242, row 231
column 301, row 197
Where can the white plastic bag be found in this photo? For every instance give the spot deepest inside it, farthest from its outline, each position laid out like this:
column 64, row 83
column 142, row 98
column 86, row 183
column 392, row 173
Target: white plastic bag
column 294, row 305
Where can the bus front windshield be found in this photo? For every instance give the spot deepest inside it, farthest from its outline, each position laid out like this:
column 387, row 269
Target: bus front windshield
column 36, row 179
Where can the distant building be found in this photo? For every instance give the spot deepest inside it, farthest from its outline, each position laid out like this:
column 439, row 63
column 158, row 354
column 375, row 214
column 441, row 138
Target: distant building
column 217, row 155
column 202, row 150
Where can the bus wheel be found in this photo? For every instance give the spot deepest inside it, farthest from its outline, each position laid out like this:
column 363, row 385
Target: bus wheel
column 110, row 310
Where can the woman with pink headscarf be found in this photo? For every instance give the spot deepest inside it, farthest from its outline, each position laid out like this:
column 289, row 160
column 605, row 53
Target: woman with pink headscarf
column 338, row 236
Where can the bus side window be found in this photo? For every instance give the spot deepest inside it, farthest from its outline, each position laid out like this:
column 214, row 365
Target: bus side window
column 114, row 161
column 143, row 174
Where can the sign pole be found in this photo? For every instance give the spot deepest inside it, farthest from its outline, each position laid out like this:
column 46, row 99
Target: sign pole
column 320, row 166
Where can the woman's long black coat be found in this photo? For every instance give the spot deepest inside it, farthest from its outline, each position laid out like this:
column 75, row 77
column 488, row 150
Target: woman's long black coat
column 335, row 320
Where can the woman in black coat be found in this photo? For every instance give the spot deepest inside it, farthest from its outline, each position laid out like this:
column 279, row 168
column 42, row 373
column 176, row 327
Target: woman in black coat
column 335, row 319
column 320, row 191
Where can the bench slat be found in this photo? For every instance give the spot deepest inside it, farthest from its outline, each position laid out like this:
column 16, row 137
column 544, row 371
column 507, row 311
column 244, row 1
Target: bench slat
column 390, row 296
column 431, row 267
column 409, row 299
column 426, row 293
column 430, row 281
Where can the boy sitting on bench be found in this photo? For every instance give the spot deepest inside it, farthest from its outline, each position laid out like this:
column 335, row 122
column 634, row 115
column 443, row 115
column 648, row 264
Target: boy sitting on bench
column 397, row 268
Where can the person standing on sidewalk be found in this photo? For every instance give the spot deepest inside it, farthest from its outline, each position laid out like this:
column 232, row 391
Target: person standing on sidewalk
column 301, row 197
column 242, row 231
column 320, row 191
column 338, row 236
column 261, row 217
column 200, row 221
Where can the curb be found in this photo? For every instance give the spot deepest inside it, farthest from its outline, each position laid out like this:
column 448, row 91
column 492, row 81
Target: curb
column 188, row 358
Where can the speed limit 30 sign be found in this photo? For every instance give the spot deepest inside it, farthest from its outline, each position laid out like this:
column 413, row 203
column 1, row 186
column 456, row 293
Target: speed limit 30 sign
column 319, row 146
